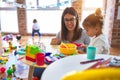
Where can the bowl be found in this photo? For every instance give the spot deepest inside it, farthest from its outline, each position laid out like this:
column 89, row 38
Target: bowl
column 68, row 48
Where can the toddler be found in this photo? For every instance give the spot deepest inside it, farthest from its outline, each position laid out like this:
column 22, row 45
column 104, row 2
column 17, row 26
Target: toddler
column 93, row 25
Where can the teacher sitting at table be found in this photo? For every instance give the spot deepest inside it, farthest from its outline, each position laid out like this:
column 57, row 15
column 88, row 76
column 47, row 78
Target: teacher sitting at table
column 70, row 33
column 70, row 29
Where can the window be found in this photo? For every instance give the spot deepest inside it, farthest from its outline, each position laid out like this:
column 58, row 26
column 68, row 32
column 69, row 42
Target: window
column 9, row 23
column 89, row 7
column 49, row 20
column 47, row 4
column 7, row 3
column 48, row 14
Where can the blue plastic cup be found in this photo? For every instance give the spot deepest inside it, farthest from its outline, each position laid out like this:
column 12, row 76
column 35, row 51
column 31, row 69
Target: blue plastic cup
column 91, row 51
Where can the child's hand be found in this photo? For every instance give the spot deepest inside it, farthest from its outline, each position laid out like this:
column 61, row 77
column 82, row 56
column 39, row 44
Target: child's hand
column 83, row 45
column 55, row 41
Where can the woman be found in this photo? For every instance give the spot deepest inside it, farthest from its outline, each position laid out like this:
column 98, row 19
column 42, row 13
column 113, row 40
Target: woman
column 70, row 30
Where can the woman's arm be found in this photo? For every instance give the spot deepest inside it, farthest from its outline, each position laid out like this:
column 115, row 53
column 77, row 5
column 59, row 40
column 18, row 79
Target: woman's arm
column 55, row 41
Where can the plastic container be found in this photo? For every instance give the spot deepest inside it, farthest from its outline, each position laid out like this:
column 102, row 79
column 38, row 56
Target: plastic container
column 68, row 48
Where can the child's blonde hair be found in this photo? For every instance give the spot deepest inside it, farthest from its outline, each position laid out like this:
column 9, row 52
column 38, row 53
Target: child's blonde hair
column 92, row 20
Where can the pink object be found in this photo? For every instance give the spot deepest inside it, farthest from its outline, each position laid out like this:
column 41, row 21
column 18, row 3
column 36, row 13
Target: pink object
column 77, row 44
column 40, row 59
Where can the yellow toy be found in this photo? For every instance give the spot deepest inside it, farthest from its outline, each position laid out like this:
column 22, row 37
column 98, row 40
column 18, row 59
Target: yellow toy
column 68, row 48
column 94, row 74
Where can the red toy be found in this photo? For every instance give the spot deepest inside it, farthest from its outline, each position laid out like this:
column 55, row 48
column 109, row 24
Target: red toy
column 35, row 78
column 2, row 69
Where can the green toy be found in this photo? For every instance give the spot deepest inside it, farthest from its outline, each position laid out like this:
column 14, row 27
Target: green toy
column 9, row 71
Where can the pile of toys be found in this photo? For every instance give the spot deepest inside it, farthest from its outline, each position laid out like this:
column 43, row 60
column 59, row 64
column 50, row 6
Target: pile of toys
column 32, row 50
column 3, row 60
column 10, row 73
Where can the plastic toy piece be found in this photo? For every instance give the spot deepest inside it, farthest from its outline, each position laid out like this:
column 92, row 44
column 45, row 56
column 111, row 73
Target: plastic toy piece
column 35, row 78
column 20, row 51
column 3, row 60
column 14, row 69
column 31, row 51
column 48, row 53
column 77, row 44
column 2, row 69
column 9, row 71
column 49, row 59
column 63, row 45
column 10, row 46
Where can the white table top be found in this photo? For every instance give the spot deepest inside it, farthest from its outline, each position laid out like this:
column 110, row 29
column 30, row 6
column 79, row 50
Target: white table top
column 60, row 67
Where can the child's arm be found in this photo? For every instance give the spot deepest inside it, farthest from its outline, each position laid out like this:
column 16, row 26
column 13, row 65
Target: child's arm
column 82, row 46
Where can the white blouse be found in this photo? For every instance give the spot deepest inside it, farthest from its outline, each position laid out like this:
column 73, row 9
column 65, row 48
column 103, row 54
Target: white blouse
column 35, row 26
column 101, row 43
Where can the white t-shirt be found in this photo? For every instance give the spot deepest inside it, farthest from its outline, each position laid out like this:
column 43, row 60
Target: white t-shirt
column 36, row 26
column 101, row 43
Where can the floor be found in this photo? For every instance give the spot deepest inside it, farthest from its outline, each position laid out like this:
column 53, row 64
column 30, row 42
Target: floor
column 115, row 51
column 46, row 40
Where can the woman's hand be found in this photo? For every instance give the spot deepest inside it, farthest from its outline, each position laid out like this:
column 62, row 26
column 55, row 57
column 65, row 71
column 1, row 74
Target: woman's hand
column 55, row 41
column 81, row 52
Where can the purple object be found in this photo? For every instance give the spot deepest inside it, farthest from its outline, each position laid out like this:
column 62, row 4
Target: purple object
column 89, row 61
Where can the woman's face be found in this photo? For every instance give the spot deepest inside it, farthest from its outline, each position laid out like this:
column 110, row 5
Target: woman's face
column 70, row 22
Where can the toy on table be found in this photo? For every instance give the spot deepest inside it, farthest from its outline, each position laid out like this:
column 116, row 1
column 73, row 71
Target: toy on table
column 18, row 37
column 68, row 48
column 20, row 51
column 34, row 78
column 8, row 43
column 10, row 46
column 77, row 44
column 8, row 78
column 2, row 69
column 9, row 72
column 14, row 69
column 3, row 60
column 31, row 51
column 115, row 62
column 49, row 59
column 8, row 37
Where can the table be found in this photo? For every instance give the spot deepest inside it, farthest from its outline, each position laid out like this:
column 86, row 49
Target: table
column 31, row 67
column 62, row 66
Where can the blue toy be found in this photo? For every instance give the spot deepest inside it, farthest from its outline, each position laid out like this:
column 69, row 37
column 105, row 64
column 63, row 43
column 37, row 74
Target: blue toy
column 20, row 51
